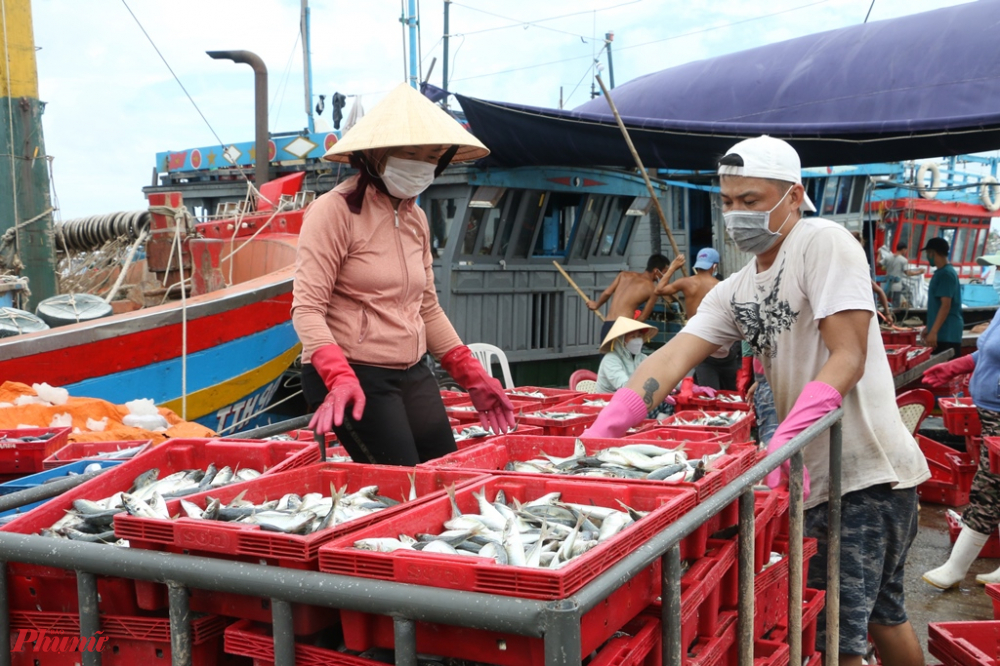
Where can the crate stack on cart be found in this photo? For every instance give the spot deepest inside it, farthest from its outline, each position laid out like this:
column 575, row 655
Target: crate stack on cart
column 522, row 467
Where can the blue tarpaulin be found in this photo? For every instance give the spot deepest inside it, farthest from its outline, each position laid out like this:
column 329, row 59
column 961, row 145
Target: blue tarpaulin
column 924, row 85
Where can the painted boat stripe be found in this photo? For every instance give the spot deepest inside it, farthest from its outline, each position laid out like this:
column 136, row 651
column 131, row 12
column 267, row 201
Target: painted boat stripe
column 91, row 361
column 162, row 381
column 209, row 400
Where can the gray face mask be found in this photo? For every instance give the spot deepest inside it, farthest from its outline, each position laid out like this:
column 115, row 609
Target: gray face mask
column 750, row 229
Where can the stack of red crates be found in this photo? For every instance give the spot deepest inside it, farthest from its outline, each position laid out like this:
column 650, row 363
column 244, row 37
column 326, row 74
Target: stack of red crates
column 965, row 643
column 951, row 474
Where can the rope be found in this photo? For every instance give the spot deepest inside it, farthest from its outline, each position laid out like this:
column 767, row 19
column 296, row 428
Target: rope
column 10, row 123
column 259, row 412
column 128, row 262
column 184, row 351
column 34, row 219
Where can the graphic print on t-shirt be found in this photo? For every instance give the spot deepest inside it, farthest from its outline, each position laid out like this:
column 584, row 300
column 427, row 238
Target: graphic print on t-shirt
column 761, row 323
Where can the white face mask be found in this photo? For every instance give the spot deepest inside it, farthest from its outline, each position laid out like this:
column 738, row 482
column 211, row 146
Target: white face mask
column 406, row 179
column 634, row 346
column 751, row 230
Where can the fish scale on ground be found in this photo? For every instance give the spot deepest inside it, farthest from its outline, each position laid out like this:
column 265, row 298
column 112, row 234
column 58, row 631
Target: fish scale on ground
column 630, row 461
column 93, row 520
column 543, row 533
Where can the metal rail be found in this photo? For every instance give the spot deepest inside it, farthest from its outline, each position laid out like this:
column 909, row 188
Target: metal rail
column 556, row 622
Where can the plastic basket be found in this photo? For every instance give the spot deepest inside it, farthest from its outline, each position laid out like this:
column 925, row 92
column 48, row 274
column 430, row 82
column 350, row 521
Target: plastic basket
column 993, row 592
column 951, row 474
column 813, row 601
column 553, row 396
column 33, row 480
column 28, row 457
column 131, row 640
column 569, row 427
column 473, row 441
column 992, row 445
column 900, row 336
column 231, row 539
column 657, row 431
column 86, row 450
column 462, row 409
column 965, row 643
column 917, row 355
column 896, row 354
column 738, row 432
column 960, row 416
column 41, row 588
column 718, row 649
column 580, row 400
column 665, row 505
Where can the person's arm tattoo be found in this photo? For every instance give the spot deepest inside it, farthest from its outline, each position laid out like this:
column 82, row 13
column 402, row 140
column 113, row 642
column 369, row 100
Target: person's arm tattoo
column 649, row 387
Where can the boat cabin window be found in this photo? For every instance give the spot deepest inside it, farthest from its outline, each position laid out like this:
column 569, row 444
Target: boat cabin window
column 829, row 201
column 487, row 229
column 949, row 235
column 441, row 216
column 612, row 225
column 961, row 253
column 562, row 211
column 858, row 194
column 589, row 217
column 533, row 206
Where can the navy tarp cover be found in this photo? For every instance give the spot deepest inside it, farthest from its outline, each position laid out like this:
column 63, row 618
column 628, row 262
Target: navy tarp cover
column 925, row 85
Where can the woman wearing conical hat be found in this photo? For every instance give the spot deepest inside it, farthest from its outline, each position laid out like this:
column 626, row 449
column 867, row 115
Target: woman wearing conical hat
column 364, row 304
column 622, row 349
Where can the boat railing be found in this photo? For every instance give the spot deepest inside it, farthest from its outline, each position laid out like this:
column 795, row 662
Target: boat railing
column 558, row 622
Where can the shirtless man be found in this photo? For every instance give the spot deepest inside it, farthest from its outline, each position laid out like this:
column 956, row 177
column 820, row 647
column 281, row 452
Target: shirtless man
column 718, row 372
column 629, row 292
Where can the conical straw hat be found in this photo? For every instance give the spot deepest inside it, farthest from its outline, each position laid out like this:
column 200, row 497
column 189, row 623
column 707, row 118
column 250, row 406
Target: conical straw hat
column 407, row 118
column 625, row 325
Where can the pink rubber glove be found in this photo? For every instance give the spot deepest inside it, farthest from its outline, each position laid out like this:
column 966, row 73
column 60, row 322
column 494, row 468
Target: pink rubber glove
column 496, row 413
column 941, row 373
column 342, row 387
column 625, row 410
column 816, row 401
column 707, row 391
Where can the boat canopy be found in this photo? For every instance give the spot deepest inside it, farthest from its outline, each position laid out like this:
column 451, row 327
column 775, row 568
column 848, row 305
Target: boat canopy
column 925, row 85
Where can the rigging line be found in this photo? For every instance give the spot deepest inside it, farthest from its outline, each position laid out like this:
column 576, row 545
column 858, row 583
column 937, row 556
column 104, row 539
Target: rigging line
column 10, row 124
column 430, row 50
column 176, row 78
column 454, row 60
column 870, row 7
column 516, row 23
column 582, row 78
column 279, row 93
column 635, row 46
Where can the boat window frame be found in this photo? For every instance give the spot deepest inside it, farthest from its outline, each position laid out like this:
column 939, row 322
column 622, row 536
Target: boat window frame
column 569, row 238
column 511, row 255
column 503, row 207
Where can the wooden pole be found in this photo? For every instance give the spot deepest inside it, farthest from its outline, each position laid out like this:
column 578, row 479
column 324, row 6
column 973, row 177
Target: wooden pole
column 642, row 170
column 578, row 290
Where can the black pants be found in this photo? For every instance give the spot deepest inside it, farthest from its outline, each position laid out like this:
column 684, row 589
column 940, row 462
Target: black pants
column 404, row 422
column 720, row 373
column 942, row 346
column 605, row 329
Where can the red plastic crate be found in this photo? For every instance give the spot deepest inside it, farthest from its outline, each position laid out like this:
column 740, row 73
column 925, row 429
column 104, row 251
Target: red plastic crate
column 213, row 538
column 569, row 427
column 464, row 411
column 896, row 354
column 677, row 434
column 365, row 630
column 992, row 445
column 900, row 337
column 665, row 504
column 716, row 650
column 960, row 416
column 990, row 549
column 85, row 450
column 723, row 401
column 916, row 355
column 132, row 640
column 813, row 602
column 40, row 588
column 553, row 396
column 771, row 590
column 771, row 653
column 965, row 643
column 572, row 404
column 473, row 441
column 28, row 457
column 993, row 592
column 951, row 474
column 738, row 432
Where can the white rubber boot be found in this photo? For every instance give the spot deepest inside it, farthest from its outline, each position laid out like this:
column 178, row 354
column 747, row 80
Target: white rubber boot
column 989, row 578
column 965, row 551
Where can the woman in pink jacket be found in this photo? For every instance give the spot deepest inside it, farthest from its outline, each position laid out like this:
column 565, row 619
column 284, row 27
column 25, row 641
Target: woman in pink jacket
column 364, row 305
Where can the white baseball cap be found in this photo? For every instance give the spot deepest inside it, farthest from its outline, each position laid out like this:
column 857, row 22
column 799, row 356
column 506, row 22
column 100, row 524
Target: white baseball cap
column 767, row 157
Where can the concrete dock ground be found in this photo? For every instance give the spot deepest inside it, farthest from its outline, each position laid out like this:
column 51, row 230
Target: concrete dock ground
column 925, row 603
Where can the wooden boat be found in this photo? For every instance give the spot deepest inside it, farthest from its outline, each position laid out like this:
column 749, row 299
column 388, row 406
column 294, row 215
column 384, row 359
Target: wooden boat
column 215, row 356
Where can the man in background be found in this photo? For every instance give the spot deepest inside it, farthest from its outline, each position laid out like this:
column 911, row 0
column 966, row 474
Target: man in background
column 944, row 301
column 631, row 291
column 716, row 371
column 896, row 268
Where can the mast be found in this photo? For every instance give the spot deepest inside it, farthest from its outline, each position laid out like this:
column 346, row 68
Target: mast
column 608, row 38
column 25, row 206
column 307, row 64
column 444, row 42
column 411, row 22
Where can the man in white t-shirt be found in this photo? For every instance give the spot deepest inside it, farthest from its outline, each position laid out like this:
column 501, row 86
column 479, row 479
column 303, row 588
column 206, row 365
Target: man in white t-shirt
column 896, row 269
column 805, row 307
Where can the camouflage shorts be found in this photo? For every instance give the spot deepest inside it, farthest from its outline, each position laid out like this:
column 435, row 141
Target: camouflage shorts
column 878, row 526
column 983, row 512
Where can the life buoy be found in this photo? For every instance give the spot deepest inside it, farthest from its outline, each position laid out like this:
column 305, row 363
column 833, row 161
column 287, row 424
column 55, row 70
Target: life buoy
column 989, row 193
column 931, row 192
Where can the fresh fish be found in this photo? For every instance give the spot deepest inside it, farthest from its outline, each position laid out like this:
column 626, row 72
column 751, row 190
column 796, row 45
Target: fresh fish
column 382, row 545
column 138, row 507
column 191, row 510
column 276, row 521
column 120, row 454
column 206, row 481
column 223, row 477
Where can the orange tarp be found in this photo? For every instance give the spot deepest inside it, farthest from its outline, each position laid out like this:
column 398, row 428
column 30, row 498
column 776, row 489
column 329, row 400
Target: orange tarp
column 82, row 409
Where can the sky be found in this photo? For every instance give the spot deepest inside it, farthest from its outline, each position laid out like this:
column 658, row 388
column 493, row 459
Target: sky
column 112, row 103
